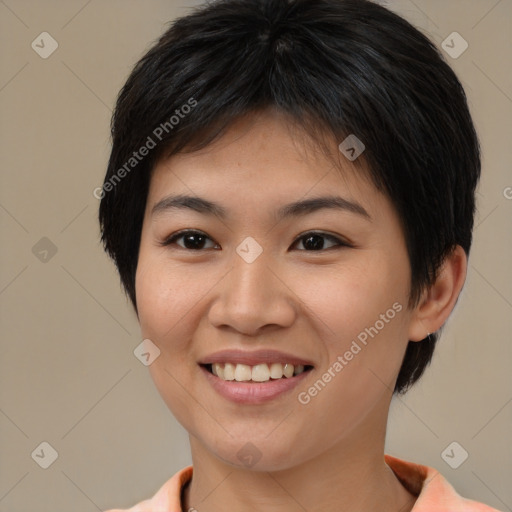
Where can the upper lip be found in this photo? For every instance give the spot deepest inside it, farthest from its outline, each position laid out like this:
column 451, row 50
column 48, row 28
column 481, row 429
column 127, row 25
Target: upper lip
column 253, row 358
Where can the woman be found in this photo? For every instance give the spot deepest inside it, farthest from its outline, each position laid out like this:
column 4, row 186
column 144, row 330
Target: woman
column 289, row 202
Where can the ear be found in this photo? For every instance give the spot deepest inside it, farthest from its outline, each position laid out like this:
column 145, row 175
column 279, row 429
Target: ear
column 438, row 301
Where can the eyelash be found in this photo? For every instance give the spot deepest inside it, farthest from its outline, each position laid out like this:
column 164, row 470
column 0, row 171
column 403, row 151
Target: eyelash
column 176, row 236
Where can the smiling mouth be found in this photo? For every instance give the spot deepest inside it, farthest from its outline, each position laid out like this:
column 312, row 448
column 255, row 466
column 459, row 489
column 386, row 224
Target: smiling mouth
column 258, row 373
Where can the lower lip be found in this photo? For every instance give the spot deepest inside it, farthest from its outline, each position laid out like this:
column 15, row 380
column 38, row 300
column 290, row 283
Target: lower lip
column 252, row 392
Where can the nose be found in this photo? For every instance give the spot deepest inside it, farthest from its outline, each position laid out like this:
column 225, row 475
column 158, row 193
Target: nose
column 253, row 297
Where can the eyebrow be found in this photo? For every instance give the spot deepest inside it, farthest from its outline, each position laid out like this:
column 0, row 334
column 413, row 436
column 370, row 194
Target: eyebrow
column 296, row 209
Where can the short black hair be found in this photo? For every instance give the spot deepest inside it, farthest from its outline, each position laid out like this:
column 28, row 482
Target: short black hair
column 335, row 67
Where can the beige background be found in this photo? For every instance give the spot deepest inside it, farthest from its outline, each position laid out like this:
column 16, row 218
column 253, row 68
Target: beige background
column 68, row 373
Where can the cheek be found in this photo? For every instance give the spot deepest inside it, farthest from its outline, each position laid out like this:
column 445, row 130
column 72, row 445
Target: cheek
column 361, row 318
column 166, row 298
column 350, row 299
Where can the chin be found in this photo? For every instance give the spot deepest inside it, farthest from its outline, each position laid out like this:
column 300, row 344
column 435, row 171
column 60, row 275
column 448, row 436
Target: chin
column 255, row 454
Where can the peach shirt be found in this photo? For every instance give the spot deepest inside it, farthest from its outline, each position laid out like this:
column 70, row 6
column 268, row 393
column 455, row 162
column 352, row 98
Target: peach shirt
column 433, row 491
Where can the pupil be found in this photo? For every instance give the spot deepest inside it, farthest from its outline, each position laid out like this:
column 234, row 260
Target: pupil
column 189, row 241
column 317, row 242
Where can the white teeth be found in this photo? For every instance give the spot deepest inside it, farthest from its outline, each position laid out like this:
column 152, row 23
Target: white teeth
column 258, row 373
column 276, row 370
column 229, row 371
column 218, row 369
column 288, row 370
column 243, row 372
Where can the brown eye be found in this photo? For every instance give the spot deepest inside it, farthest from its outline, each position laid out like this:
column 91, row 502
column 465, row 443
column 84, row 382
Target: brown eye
column 192, row 240
column 316, row 241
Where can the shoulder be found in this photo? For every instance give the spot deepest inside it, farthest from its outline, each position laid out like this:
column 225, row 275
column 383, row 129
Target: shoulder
column 168, row 497
column 433, row 491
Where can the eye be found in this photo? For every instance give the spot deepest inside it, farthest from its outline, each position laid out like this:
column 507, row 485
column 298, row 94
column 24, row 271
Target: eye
column 196, row 241
column 192, row 240
column 314, row 241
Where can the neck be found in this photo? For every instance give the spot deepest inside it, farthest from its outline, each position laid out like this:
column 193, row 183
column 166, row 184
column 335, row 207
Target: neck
column 351, row 476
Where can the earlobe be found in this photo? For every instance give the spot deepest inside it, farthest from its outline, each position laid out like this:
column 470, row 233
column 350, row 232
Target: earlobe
column 438, row 301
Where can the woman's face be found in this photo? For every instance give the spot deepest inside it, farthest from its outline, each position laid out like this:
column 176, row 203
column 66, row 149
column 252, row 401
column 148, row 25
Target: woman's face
column 248, row 286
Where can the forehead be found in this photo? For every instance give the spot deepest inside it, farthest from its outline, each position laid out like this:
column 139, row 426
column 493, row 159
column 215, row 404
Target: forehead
column 264, row 153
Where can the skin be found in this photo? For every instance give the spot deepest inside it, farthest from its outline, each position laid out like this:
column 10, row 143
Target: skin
column 192, row 303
